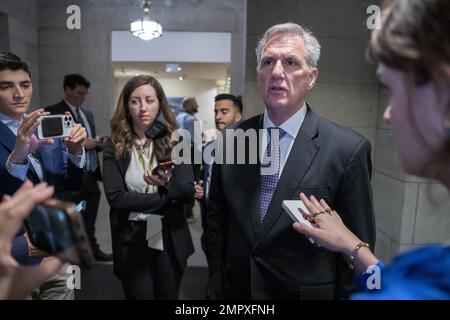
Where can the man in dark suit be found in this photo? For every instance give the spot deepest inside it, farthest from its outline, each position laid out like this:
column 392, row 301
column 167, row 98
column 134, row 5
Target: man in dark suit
column 227, row 112
column 76, row 89
column 254, row 251
column 58, row 162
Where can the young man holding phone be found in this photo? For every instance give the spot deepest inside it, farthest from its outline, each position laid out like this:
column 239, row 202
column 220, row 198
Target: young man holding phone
column 59, row 162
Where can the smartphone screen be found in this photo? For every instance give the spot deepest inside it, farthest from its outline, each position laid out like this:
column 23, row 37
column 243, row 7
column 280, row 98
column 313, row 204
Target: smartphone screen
column 49, row 229
column 52, row 127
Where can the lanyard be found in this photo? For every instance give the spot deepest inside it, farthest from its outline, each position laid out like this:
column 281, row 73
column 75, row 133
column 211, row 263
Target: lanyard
column 139, row 150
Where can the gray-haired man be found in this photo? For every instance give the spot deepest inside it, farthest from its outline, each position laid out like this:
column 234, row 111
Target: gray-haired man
column 254, row 251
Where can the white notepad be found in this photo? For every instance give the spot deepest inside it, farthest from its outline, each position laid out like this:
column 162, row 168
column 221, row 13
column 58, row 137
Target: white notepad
column 293, row 207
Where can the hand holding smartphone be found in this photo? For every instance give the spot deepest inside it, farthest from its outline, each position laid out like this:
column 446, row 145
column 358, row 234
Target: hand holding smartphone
column 54, row 126
column 58, row 229
column 164, row 166
column 296, row 209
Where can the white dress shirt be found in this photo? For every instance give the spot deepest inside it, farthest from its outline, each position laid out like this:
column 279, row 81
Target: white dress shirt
column 291, row 126
column 134, row 179
column 19, row 170
column 85, row 120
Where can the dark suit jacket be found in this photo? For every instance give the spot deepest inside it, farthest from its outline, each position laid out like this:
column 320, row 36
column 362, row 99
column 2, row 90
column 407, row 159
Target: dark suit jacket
column 61, row 108
column 167, row 202
column 57, row 169
column 271, row 260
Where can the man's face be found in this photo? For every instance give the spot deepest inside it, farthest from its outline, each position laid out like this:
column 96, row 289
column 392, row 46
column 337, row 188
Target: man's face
column 77, row 95
column 15, row 93
column 193, row 106
column 226, row 113
column 283, row 76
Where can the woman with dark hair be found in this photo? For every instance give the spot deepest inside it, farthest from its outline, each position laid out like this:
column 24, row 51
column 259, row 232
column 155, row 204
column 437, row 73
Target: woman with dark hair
column 151, row 240
column 413, row 53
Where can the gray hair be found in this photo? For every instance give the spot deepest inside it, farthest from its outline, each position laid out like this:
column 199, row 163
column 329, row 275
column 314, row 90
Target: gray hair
column 312, row 46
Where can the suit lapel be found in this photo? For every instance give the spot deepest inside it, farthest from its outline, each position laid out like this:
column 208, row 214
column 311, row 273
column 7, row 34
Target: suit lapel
column 302, row 154
column 62, row 108
column 8, row 140
column 90, row 120
column 249, row 174
column 123, row 165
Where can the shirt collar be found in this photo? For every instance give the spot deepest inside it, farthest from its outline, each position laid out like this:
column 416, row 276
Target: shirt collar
column 11, row 123
column 72, row 108
column 292, row 125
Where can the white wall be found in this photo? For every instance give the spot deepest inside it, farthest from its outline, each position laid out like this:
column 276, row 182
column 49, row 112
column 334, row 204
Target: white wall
column 173, row 46
column 19, row 35
column 203, row 90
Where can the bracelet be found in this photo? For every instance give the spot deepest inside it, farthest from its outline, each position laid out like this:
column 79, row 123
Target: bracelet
column 355, row 251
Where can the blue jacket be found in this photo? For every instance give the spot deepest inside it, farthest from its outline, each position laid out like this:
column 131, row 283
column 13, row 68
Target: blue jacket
column 58, row 172
column 419, row 274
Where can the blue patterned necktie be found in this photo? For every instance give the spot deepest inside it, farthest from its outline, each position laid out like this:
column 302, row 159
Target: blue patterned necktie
column 270, row 168
column 91, row 155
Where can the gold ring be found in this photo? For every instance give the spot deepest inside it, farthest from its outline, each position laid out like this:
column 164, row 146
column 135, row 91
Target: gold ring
column 309, row 218
column 318, row 213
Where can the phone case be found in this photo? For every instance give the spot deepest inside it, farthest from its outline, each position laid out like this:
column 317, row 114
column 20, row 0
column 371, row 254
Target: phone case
column 163, row 166
column 66, row 125
column 81, row 252
column 293, row 207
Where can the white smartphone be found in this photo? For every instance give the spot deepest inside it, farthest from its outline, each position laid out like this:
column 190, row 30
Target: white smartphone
column 54, row 126
column 294, row 208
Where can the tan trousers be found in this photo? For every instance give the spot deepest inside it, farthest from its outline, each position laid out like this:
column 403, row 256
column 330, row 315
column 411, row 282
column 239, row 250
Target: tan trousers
column 55, row 288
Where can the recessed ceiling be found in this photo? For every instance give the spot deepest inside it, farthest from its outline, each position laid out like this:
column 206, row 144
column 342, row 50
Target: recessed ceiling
column 190, row 70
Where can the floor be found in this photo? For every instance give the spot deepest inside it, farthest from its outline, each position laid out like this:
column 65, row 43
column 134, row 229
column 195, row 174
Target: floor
column 99, row 283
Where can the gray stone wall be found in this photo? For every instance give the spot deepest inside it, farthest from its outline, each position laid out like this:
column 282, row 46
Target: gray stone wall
column 407, row 210
column 19, row 22
column 410, row 211
column 346, row 89
column 88, row 51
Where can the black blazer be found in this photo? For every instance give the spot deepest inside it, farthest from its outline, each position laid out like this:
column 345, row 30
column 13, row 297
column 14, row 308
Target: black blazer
column 61, row 108
column 271, row 260
column 167, row 202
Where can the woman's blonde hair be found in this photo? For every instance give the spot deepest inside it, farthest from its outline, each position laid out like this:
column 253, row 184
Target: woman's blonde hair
column 122, row 133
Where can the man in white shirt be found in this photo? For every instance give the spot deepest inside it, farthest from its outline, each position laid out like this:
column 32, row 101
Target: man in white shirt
column 59, row 162
column 254, row 251
column 76, row 90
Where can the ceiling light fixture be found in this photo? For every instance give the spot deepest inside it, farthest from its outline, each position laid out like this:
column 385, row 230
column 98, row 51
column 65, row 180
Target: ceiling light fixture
column 146, row 28
column 173, row 67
